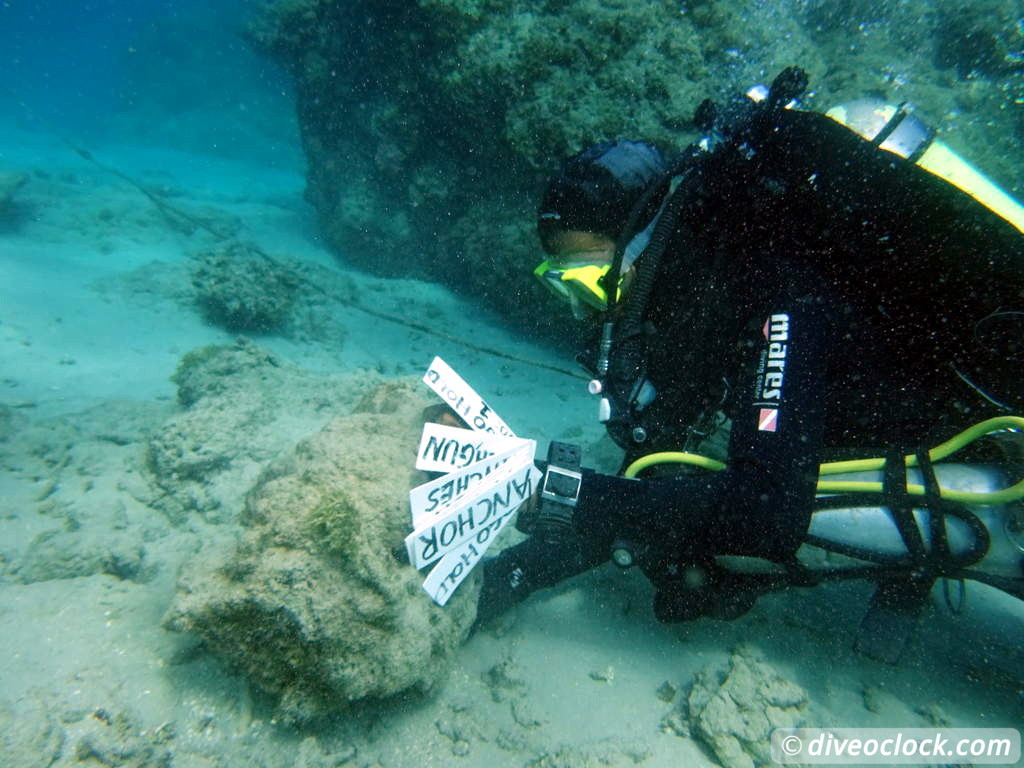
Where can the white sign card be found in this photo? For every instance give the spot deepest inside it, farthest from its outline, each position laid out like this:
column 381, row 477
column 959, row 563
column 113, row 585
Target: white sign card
column 443, row 534
column 490, row 474
column 462, row 399
column 446, row 449
column 438, row 496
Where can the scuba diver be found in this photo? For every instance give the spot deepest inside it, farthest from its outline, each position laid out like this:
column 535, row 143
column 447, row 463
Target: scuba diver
column 832, row 286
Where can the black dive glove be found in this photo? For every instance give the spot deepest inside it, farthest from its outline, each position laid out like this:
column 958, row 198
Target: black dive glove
column 513, row 576
column 533, row 564
column 554, row 550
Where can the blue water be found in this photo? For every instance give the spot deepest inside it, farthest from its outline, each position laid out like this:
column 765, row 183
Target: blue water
column 173, row 73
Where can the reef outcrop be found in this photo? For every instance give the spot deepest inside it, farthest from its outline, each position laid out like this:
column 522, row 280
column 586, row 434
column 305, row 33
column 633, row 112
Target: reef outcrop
column 429, row 126
column 243, row 291
column 311, row 604
column 733, row 710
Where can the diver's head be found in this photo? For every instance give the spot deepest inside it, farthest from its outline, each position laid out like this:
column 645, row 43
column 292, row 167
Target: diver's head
column 587, row 209
column 597, row 189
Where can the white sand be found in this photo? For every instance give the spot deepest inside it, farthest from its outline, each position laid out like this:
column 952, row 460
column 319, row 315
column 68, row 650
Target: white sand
column 84, row 368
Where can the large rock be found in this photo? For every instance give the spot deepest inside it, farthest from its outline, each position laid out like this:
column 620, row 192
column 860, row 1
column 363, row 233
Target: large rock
column 242, row 405
column 734, row 714
column 243, row 290
column 428, row 126
column 312, row 605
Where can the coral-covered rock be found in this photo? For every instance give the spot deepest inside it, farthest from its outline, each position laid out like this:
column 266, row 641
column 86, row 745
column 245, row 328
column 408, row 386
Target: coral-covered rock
column 312, row 605
column 735, row 713
column 243, row 405
column 241, row 290
column 429, row 125
column 982, row 38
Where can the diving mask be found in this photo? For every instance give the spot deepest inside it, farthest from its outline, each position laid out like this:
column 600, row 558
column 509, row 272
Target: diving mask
column 580, row 285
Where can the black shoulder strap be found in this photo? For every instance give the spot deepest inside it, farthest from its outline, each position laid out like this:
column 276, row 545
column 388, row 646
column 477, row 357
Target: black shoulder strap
column 891, row 619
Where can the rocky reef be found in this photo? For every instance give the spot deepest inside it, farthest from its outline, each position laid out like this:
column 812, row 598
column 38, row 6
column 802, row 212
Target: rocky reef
column 241, row 407
column 311, row 604
column 430, row 126
column 732, row 711
column 243, row 291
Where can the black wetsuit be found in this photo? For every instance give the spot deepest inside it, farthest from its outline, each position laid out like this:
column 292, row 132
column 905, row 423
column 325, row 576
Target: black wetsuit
column 844, row 296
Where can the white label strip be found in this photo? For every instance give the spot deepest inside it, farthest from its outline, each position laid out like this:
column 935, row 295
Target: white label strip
column 447, row 532
column 440, row 495
column 461, row 398
column 446, row 449
column 454, row 567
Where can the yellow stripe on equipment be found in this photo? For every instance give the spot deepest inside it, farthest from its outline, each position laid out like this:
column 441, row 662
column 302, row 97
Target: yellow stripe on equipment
column 898, row 130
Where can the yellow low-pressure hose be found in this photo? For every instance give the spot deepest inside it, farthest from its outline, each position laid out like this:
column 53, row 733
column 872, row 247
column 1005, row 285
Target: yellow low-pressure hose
column 939, row 452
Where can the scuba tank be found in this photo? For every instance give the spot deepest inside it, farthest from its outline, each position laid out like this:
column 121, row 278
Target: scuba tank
column 897, row 129
column 902, row 522
column 994, row 540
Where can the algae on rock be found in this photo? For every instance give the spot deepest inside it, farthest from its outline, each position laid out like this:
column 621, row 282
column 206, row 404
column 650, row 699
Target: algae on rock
column 734, row 713
column 429, row 126
column 312, row 605
column 240, row 290
column 242, row 405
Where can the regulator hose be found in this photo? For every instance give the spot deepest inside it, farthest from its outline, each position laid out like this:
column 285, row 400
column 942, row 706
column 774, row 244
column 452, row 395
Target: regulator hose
column 939, row 452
